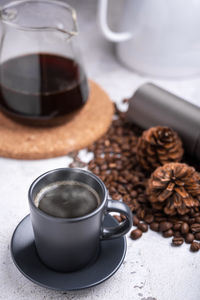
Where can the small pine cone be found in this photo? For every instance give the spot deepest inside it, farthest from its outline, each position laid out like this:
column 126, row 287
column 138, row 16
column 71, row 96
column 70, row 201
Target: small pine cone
column 174, row 188
column 157, row 146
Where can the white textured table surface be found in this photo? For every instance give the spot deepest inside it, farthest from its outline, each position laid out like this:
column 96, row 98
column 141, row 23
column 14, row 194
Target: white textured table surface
column 152, row 268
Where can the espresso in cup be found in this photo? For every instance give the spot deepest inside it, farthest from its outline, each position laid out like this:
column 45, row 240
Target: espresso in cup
column 67, row 199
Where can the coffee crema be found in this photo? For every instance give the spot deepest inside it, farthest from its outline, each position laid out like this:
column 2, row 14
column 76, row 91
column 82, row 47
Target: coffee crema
column 67, row 199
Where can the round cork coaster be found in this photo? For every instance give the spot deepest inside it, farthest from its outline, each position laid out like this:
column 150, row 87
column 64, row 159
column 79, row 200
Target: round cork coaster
column 86, row 126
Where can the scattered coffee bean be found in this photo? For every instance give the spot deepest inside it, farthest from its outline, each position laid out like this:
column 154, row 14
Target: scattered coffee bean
column 197, row 236
column 123, row 217
column 191, row 221
column 118, row 218
column 168, row 233
column 177, row 226
column 177, row 234
column 194, row 247
column 141, row 213
column 185, row 228
column 160, row 219
column 195, row 227
column 154, row 226
column 135, row 220
column 149, row 219
column 116, row 164
column 185, row 218
column 164, row 226
column 133, row 194
column 143, row 227
column 189, row 238
column 197, row 219
column 177, row 241
column 117, row 196
column 136, row 234
column 196, row 214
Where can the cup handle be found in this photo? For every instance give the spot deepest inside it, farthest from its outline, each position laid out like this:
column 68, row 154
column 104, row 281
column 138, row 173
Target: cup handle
column 109, row 34
column 122, row 228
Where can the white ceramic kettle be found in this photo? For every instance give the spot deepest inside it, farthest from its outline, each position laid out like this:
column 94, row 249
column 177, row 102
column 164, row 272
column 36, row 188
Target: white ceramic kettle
column 157, row 37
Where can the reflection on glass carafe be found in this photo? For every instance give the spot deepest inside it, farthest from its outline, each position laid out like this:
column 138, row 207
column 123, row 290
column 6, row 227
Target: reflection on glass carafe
column 42, row 80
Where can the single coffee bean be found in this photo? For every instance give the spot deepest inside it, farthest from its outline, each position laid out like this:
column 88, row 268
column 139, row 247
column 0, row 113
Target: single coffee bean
column 114, row 184
column 191, row 221
column 149, row 219
column 103, row 177
column 141, row 213
column 154, row 226
column 127, row 199
column 123, row 217
column 160, row 219
column 116, row 196
column 185, row 228
column 141, row 198
column 104, row 167
column 197, row 219
column 99, row 161
column 135, row 220
column 174, row 219
column 112, row 189
column 168, row 233
column 177, row 226
column 122, row 180
column 192, row 212
column 195, row 227
column 177, row 234
column 133, row 194
column 96, row 171
column 164, row 226
column 197, row 214
column 189, row 238
column 194, row 247
column 177, row 241
column 107, row 143
column 121, row 189
column 143, row 227
column 125, row 147
column 185, row 218
column 136, row 234
column 197, row 236
column 112, row 165
column 158, row 214
column 118, row 218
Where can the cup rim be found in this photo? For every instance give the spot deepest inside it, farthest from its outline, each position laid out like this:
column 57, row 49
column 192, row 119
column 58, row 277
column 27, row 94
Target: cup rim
column 68, row 220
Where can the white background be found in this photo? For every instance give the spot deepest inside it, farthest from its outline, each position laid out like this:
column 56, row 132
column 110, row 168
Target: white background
column 152, row 268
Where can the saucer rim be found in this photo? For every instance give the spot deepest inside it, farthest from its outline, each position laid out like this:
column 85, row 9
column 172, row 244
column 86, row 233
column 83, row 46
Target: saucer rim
column 104, row 278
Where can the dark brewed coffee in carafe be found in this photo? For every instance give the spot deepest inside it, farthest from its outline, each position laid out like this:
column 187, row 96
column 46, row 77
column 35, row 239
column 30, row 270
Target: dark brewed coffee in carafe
column 42, row 80
column 42, row 88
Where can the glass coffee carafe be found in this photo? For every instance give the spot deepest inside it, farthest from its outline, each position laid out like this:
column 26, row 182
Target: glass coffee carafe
column 42, row 80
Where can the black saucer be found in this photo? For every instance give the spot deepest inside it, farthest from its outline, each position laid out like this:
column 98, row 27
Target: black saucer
column 111, row 256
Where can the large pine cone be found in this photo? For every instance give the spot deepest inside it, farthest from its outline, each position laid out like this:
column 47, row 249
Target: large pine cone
column 174, row 188
column 157, row 146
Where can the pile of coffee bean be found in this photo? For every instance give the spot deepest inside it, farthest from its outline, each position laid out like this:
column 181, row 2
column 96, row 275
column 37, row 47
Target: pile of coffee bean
column 116, row 164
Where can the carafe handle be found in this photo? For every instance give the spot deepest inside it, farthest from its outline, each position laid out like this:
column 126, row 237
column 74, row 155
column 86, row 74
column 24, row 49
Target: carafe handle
column 107, row 32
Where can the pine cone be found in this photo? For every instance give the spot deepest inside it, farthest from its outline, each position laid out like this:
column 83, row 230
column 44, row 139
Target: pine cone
column 157, row 146
column 174, row 188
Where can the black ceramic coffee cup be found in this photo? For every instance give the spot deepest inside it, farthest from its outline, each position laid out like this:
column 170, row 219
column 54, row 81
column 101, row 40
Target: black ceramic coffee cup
column 68, row 244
